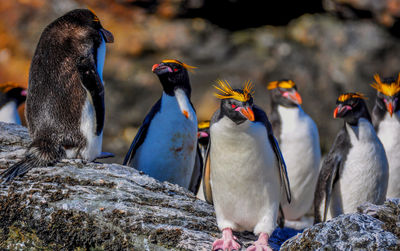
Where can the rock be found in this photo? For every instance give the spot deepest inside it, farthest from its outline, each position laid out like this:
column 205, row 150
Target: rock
column 385, row 12
column 85, row 205
column 375, row 227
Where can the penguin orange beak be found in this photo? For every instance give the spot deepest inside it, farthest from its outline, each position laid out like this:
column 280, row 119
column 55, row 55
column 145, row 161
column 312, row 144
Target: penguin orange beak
column 160, row 69
column 108, row 36
column 390, row 108
column 247, row 112
column 341, row 110
column 293, row 96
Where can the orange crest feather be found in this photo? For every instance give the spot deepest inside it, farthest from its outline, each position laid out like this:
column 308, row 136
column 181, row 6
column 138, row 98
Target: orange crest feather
column 287, row 84
column 350, row 95
column 186, row 66
column 388, row 89
column 226, row 91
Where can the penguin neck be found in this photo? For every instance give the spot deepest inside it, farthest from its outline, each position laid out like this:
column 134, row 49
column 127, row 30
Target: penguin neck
column 170, row 87
column 292, row 112
column 180, row 98
column 363, row 130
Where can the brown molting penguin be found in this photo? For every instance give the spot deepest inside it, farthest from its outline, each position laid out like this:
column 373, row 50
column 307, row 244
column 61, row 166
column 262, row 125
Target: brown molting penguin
column 65, row 102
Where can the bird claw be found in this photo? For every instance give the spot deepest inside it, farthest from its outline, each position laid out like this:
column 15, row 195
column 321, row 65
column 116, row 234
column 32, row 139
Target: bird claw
column 261, row 244
column 258, row 247
column 227, row 242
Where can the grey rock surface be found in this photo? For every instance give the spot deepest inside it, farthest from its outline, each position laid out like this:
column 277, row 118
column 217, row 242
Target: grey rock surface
column 77, row 204
column 375, row 227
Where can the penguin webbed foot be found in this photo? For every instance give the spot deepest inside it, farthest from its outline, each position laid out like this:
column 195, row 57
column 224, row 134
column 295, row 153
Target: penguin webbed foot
column 104, row 155
column 261, row 244
column 227, row 242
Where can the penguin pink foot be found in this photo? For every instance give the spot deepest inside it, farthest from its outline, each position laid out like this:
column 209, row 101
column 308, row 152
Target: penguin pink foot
column 227, row 242
column 261, row 244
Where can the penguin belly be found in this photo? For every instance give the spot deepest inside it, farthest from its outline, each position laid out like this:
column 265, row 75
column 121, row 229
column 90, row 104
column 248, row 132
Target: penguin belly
column 244, row 177
column 168, row 152
column 301, row 151
column 9, row 113
column 389, row 134
column 92, row 148
column 364, row 177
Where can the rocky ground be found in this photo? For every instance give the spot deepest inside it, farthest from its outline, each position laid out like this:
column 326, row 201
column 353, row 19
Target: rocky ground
column 326, row 48
column 76, row 205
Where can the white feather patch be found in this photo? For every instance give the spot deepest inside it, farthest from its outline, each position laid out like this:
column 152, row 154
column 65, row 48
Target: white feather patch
column 9, row 113
column 299, row 143
column 244, row 177
column 88, row 129
column 389, row 134
column 364, row 176
column 101, row 56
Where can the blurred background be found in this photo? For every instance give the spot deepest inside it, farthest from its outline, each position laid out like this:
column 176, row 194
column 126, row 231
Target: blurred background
column 327, row 47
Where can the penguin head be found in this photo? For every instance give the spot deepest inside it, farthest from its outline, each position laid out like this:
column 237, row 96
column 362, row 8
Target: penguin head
column 351, row 107
column 203, row 134
column 173, row 74
column 84, row 23
column 12, row 91
column 284, row 92
column 388, row 93
column 236, row 104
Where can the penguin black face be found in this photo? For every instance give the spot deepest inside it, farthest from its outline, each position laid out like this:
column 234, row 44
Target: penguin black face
column 388, row 93
column 236, row 110
column 203, row 134
column 236, row 104
column 87, row 19
column 351, row 107
column 284, row 92
column 172, row 74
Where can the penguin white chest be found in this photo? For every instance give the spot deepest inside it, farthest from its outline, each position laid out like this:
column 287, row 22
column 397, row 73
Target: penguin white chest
column 299, row 143
column 364, row 176
column 169, row 150
column 244, row 176
column 9, row 113
column 389, row 134
column 88, row 128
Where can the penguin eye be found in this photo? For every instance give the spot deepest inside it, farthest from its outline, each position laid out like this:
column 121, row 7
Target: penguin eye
column 233, row 106
column 176, row 69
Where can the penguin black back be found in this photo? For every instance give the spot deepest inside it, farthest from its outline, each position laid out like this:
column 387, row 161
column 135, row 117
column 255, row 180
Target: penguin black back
column 63, row 73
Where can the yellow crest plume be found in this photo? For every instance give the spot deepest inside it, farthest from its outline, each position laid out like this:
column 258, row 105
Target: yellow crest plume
column 282, row 84
column 95, row 18
column 204, row 124
column 186, row 66
column 8, row 86
column 388, row 89
column 350, row 95
column 226, row 91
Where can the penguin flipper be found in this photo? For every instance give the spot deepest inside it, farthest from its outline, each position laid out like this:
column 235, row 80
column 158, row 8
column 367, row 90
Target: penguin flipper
column 141, row 135
column 329, row 174
column 207, row 177
column 261, row 116
column 92, row 83
column 197, row 172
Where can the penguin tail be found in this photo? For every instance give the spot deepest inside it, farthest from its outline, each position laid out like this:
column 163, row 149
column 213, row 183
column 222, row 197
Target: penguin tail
column 40, row 153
